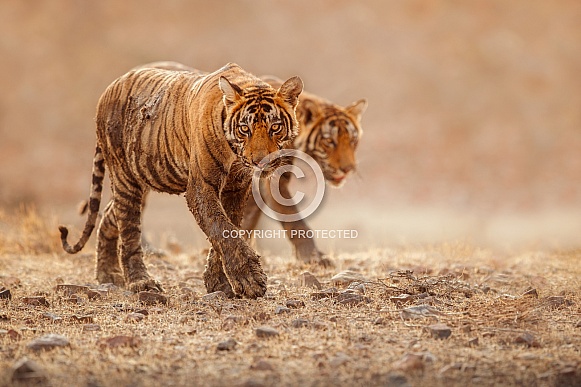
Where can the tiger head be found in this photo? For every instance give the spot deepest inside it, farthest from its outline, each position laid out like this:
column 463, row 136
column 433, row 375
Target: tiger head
column 330, row 134
column 260, row 119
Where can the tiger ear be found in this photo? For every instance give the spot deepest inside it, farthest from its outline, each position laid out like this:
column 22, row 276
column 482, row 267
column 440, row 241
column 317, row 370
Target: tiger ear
column 357, row 108
column 232, row 93
column 308, row 111
column 290, row 90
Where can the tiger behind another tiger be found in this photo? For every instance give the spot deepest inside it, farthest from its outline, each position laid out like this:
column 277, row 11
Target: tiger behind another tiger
column 185, row 132
column 330, row 134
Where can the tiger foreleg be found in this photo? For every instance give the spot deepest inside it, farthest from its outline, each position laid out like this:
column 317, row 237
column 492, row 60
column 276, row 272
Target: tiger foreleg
column 240, row 264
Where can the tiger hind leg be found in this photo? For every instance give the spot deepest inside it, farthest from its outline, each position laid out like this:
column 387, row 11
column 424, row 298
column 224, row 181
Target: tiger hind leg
column 108, row 267
column 127, row 208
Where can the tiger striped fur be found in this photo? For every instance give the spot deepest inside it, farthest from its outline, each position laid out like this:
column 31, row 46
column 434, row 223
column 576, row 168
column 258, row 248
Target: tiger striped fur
column 330, row 134
column 185, row 132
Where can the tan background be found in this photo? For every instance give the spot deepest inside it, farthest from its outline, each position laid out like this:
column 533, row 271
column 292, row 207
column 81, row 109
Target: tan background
column 473, row 128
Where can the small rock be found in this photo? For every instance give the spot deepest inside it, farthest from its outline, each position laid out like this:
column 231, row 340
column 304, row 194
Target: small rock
column 152, row 298
column 28, row 371
column 134, row 317
column 358, row 287
column 558, row 301
column 339, row 359
column 227, row 345
column 299, row 323
column 397, row 380
column 528, row 339
column 379, row 321
column 262, row 365
column 403, row 298
column 409, row 362
column 351, row 299
column 35, row 301
column 439, row 331
column 531, row 292
column 5, row 294
column 310, row 281
column 49, row 341
column 578, row 325
column 419, row 312
column 69, row 290
column 91, row 328
column 266, row 331
column 87, row 319
column 281, row 310
column 215, row 296
column 473, row 342
column 345, row 278
column 11, row 333
column 327, row 293
column 52, row 317
column 119, row 341
column 94, row 294
column 295, row 304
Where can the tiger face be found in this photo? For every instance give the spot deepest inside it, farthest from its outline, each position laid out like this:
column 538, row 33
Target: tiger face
column 331, row 136
column 260, row 120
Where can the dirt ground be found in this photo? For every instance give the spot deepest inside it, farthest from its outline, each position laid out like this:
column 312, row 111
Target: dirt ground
column 410, row 315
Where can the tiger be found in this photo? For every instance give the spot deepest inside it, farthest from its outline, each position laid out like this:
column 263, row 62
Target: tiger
column 327, row 132
column 330, row 134
column 185, row 132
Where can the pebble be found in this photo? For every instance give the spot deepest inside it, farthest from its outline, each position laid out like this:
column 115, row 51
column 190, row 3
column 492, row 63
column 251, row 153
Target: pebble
column 91, row 328
column 339, row 359
column 134, row 317
column 5, row 294
column 49, row 341
column 281, row 310
column 119, row 341
column 152, row 298
column 308, row 280
column 227, row 345
column 439, row 331
column 28, row 371
column 528, row 339
column 266, row 331
column 262, row 365
column 69, row 289
column 295, row 304
column 409, row 362
column 346, row 277
column 35, row 301
column 52, row 317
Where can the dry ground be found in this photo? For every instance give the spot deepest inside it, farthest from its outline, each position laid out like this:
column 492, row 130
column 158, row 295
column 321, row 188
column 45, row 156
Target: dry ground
column 514, row 319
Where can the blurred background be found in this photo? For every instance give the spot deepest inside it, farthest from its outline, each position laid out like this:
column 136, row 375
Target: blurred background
column 473, row 130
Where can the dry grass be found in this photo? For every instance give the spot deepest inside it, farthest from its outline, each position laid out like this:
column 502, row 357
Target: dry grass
column 499, row 334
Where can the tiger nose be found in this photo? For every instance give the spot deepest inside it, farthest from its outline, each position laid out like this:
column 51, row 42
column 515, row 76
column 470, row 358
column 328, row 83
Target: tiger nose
column 348, row 168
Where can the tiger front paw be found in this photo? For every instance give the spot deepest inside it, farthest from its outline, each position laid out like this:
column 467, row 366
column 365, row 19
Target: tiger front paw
column 147, row 284
column 248, row 281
